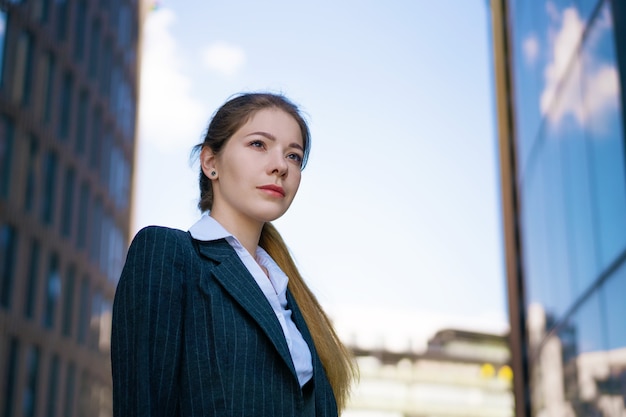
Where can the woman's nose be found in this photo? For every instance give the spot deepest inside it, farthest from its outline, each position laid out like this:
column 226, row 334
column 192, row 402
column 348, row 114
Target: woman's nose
column 278, row 164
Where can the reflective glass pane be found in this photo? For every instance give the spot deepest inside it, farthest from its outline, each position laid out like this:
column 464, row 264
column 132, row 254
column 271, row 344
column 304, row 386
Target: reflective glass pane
column 614, row 291
column 578, row 212
column 602, row 115
column 535, row 250
column 3, row 29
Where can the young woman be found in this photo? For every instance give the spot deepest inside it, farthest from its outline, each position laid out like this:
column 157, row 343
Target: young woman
column 217, row 321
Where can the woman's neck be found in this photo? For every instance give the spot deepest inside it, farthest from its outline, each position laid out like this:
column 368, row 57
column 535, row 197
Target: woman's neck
column 247, row 232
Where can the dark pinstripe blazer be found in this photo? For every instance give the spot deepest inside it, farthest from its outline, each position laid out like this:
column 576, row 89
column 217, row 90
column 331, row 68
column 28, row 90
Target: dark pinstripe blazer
column 193, row 335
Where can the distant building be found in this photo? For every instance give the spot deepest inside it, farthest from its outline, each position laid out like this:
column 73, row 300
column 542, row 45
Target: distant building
column 68, row 109
column 461, row 373
column 560, row 78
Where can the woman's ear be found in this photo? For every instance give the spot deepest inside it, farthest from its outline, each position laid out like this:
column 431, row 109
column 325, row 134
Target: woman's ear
column 207, row 161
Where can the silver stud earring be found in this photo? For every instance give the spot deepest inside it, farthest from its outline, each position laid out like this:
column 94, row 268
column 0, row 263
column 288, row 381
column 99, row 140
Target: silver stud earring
column 213, row 173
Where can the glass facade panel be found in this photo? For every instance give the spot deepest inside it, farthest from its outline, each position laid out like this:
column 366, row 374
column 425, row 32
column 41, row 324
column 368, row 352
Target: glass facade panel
column 67, row 214
column 6, row 152
column 95, row 139
column 94, row 49
column 80, row 17
column 53, row 383
column 83, row 315
column 536, row 260
column 53, row 292
column 606, row 137
column 65, row 106
column 615, row 307
column 68, row 302
column 32, row 280
column 83, row 205
column 48, row 75
column 70, row 387
column 29, row 398
column 49, row 194
column 81, row 123
column 41, row 10
column 10, row 378
column 32, row 175
column 61, row 13
column 570, row 152
column 8, row 253
column 22, row 71
column 3, row 31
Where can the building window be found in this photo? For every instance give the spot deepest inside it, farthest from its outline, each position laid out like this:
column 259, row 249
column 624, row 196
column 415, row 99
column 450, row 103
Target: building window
column 68, row 302
column 119, row 178
column 53, row 292
column 83, row 313
column 33, row 273
column 3, row 31
column 83, row 205
column 53, row 383
column 29, row 398
column 95, row 236
column 95, row 142
column 94, row 49
column 8, row 249
column 61, row 19
column 106, row 66
column 48, row 71
column 96, row 319
column 10, row 377
column 65, row 104
column 79, row 30
column 70, row 387
column 6, row 150
column 105, row 158
column 22, row 69
column 31, row 174
column 81, row 123
column 41, row 10
column 68, row 203
column 49, row 194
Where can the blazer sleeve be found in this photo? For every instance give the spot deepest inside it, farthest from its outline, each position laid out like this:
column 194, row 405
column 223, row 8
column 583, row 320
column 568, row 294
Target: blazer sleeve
column 147, row 326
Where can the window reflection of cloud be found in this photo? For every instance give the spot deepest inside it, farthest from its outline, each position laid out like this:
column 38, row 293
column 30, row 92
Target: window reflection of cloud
column 531, row 49
column 600, row 80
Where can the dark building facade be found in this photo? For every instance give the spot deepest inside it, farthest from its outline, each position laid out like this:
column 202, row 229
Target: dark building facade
column 560, row 78
column 68, row 106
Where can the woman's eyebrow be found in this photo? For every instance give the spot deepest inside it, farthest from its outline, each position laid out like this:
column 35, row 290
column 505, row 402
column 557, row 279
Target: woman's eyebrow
column 273, row 138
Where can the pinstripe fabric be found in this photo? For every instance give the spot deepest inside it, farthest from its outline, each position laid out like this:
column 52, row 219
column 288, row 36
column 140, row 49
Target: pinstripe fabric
column 193, row 335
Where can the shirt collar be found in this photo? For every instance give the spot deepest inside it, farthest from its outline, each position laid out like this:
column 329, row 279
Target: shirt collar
column 207, row 228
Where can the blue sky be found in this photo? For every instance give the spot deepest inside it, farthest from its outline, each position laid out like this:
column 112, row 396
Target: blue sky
column 396, row 226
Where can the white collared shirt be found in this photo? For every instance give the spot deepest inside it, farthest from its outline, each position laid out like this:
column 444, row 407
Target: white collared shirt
column 274, row 289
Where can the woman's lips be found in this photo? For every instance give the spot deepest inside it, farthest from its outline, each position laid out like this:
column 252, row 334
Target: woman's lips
column 273, row 189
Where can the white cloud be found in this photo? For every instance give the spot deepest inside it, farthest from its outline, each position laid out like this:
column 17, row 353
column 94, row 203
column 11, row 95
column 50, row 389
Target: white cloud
column 224, row 58
column 564, row 76
column 168, row 115
column 531, row 49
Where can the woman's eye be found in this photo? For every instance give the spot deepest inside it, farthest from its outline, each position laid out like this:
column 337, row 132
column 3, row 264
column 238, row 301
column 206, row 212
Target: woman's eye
column 295, row 157
column 257, row 144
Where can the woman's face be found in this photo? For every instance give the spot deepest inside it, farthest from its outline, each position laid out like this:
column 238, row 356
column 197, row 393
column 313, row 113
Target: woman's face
column 258, row 170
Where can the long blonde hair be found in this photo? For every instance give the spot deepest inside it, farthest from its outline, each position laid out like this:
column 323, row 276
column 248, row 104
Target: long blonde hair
column 336, row 359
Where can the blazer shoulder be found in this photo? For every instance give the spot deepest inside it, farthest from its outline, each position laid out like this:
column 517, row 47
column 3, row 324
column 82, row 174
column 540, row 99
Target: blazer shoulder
column 162, row 239
column 160, row 233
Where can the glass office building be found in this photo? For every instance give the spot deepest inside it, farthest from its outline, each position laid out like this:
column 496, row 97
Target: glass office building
column 560, row 72
column 68, row 106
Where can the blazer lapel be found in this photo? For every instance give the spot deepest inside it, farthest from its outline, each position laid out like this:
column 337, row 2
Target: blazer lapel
column 235, row 278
